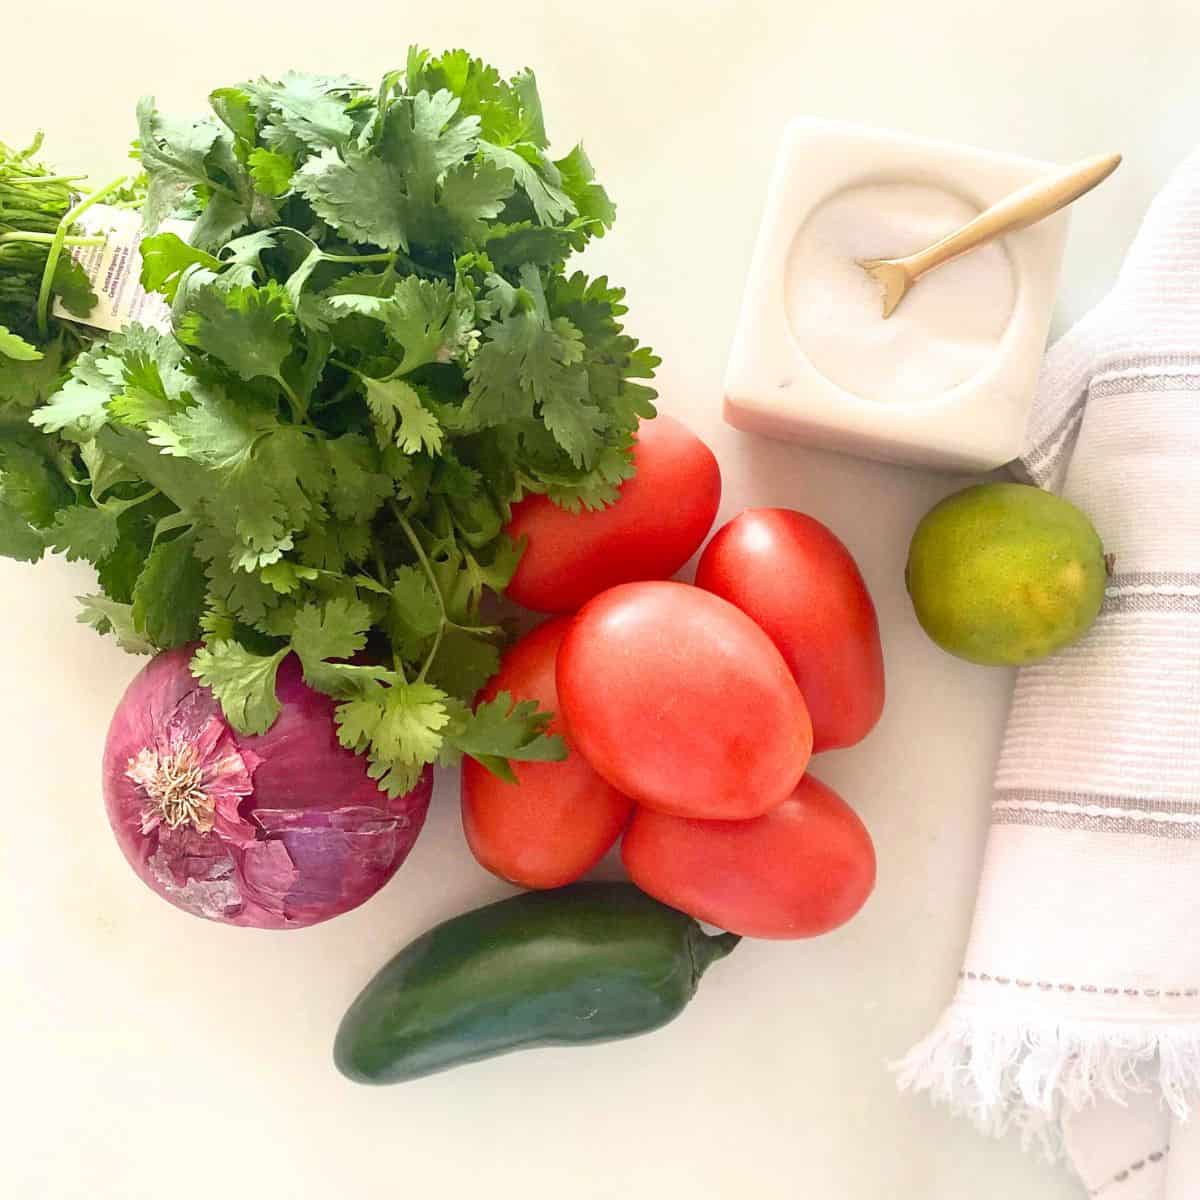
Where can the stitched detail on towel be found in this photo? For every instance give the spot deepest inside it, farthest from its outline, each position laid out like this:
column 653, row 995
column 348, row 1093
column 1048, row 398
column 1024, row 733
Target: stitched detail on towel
column 1181, row 828
column 1099, row 814
column 1168, row 583
column 1104, row 800
column 1139, row 810
column 1153, row 591
column 1127, row 1173
column 1118, row 376
column 1094, row 989
column 1103, row 387
column 1152, row 599
column 1039, row 462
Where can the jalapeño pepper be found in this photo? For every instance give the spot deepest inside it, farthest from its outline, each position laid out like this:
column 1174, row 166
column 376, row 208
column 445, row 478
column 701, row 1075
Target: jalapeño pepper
column 586, row 963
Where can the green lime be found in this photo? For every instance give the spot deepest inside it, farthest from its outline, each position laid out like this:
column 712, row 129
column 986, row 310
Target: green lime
column 1005, row 574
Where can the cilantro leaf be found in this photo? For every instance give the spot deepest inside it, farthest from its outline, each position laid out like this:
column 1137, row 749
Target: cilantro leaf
column 596, row 489
column 233, row 107
column 78, row 409
column 175, row 155
column 108, row 616
column 511, row 246
column 330, row 546
column 152, row 381
column 284, row 576
column 271, row 171
column 165, row 257
column 414, row 614
column 306, row 109
column 472, row 195
column 214, row 431
column 221, row 217
column 358, row 483
column 13, row 346
column 243, row 593
column 499, row 730
column 80, row 531
column 596, row 211
column 243, row 683
column 104, row 471
column 29, row 485
column 527, row 361
column 464, row 663
column 247, row 251
column 27, row 383
column 216, row 622
column 184, row 483
column 18, row 539
column 424, row 136
column 246, row 328
column 400, row 416
column 72, row 286
column 420, row 315
column 334, row 630
column 118, row 571
column 168, row 597
column 537, row 177
column 361, row 196
column 400, row 729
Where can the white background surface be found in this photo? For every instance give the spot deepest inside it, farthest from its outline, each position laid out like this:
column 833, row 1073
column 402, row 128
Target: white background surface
column 149, row 1054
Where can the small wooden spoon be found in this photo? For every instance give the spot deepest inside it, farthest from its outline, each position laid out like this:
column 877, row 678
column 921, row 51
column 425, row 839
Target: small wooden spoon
column 1016, row 211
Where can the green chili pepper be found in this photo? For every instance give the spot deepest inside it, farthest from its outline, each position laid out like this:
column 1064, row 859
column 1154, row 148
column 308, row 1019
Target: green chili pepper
column 586, row 963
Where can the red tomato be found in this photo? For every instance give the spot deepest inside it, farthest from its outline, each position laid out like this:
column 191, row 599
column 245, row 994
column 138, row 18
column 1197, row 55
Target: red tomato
column 796, row 580
column 800, row 870
column 662, row 515
column 559, row 819
column 680, row 701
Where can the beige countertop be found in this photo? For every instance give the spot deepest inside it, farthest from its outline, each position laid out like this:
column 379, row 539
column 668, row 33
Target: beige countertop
column 152, row 1055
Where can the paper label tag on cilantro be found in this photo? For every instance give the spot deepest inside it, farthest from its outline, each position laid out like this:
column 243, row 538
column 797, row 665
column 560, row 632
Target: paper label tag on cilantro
column 113, row 270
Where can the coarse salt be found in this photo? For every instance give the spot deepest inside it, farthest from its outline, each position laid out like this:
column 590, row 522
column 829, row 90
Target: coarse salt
column 945, row 330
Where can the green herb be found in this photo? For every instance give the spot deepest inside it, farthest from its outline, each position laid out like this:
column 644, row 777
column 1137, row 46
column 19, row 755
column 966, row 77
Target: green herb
column 376, row 350
column 48, row 499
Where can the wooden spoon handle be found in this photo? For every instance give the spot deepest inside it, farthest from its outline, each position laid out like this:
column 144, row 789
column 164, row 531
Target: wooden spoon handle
column 1031, row 203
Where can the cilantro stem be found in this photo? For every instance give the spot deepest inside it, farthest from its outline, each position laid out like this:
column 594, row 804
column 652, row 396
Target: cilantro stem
column 47, row 239
column 381, row 572
column 415, row 268
column 56, row 246
column 40, row 179
column 117, row 507
column 427, row 567
column 347, row 386
column 387, row 257
column 296, row 403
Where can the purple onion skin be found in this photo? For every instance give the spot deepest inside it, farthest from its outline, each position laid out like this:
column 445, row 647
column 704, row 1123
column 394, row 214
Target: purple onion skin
column 276, row 831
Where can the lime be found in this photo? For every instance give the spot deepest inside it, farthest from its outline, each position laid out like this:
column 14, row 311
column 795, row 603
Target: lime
column 1005, row 574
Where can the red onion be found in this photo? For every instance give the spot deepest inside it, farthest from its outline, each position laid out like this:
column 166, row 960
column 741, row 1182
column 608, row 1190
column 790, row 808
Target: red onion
column 277, row 831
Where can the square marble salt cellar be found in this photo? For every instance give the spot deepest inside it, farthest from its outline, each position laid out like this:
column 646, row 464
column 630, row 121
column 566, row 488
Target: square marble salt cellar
column 772, row 388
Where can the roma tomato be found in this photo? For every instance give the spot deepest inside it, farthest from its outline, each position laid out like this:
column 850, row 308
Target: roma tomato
column 802, row 869
column 796, row 580
column 679, row 700
column 559, row 819
column 657, row 523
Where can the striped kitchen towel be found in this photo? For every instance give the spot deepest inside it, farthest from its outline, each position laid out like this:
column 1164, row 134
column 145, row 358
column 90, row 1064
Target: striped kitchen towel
column 1077, row 1013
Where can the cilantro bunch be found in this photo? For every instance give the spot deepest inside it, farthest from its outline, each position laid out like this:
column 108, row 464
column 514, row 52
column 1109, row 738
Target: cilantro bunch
column 41, row 478
column 375, row 350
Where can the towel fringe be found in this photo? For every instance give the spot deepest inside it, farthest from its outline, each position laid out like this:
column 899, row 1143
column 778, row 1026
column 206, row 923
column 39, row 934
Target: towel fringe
column 1025, row 1074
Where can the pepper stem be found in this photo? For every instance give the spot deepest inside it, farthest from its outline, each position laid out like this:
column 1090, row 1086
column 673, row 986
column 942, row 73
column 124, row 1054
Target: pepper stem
column 707, row 949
